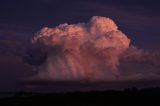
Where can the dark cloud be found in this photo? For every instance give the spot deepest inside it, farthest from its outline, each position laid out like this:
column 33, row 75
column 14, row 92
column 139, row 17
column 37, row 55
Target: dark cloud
column 59, row 10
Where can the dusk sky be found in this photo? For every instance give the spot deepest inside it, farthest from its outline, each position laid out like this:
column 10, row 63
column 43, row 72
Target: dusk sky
column 139, row 20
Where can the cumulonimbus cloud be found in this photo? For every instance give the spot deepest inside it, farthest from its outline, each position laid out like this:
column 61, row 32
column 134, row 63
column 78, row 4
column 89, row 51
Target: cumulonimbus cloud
column 86, row 51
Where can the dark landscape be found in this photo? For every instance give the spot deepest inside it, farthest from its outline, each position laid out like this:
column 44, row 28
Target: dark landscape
column 126, row 97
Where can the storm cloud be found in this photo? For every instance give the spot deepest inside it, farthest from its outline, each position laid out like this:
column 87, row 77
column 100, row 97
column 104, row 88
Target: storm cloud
column 90, row 51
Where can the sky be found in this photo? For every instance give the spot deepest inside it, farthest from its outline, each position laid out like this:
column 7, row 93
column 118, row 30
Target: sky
column 20, row 19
